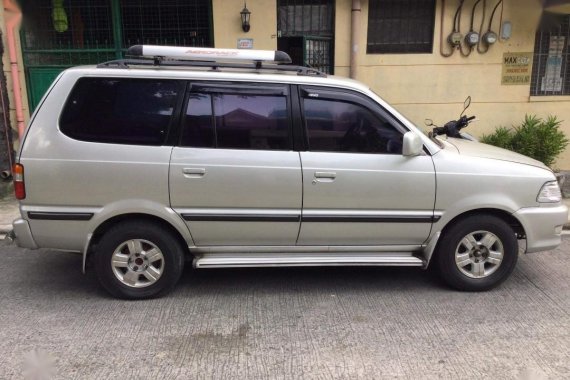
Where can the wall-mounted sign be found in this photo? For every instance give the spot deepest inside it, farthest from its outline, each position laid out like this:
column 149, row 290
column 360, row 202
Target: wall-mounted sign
column 245, row 43
column 517, row 68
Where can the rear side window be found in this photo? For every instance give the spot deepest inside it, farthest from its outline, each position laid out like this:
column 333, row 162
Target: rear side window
column 120, row 110
column 236, row 121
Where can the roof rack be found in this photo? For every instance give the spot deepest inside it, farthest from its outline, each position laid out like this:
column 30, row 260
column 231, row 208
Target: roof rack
column 208, row 54
column 152, row 55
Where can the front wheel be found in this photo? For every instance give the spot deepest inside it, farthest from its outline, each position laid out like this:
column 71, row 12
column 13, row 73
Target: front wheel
column 478, row 253
column 137, row 260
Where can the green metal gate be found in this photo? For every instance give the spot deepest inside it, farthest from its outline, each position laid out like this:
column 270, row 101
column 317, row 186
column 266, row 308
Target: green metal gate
column 57, row 34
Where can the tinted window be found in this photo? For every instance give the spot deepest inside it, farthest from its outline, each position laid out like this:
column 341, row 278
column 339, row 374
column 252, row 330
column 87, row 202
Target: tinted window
column 120, row 111
column 239, row 122
column 199, row 129
column 337, row 126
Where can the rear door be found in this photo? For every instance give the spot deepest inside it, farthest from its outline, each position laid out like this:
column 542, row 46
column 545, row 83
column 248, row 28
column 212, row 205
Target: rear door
column 358, row 187
column 234, row 178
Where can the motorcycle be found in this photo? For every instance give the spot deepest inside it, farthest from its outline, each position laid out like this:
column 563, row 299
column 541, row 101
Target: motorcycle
column 453, row 128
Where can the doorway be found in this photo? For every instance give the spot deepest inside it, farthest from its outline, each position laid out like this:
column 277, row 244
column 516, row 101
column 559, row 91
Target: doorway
column 305, row 30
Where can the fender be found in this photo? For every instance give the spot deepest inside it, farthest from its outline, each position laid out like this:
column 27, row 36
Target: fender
column 135, row 206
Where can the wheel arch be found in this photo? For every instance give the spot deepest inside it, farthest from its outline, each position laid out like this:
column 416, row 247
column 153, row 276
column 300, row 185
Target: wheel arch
column 507, row 217
column 107, row 224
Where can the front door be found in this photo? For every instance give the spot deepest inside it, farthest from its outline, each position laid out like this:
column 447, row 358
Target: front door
column 358, row 187
column 234, row 178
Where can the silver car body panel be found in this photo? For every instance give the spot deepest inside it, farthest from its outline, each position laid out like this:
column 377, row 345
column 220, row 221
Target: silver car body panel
column 104, row 179
column 466, row 183
column 65, row 176
column 366, row 199
column 237, row 197
column 22, row 234
column 543, row 226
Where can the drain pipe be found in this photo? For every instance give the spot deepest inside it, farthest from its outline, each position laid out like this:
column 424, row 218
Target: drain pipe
column 354, row 36
column 6, row 174
column 12, row 21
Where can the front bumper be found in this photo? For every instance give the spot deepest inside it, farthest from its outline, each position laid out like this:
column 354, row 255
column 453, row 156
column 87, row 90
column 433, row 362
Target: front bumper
column 543, row 226
column 23, row 235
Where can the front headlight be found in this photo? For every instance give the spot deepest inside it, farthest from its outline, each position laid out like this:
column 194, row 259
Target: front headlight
column 550, row 193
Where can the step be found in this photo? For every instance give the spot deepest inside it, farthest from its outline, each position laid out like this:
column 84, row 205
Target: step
column 272, row 259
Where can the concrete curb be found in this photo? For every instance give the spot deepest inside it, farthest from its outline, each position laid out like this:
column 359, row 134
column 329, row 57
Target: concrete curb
column 5, row 228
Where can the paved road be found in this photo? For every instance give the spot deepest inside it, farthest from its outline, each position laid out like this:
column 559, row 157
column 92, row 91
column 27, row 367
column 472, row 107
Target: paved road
column 287, row 323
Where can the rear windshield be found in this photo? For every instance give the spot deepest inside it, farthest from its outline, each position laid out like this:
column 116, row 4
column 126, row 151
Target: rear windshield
column 120, row 110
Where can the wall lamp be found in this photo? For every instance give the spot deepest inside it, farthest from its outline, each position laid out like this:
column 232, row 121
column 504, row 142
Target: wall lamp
column 245, row 13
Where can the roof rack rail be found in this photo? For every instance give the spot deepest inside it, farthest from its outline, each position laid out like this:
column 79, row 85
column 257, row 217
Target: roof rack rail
column 152, row 55
column 126, row 63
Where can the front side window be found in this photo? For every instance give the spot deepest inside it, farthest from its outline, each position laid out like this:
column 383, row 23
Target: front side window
column 236, row 121
column 120, row 110
column 340, row 126
column 399, row 27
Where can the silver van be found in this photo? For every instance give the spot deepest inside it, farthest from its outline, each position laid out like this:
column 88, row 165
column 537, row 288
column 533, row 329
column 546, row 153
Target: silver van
column 230, row 158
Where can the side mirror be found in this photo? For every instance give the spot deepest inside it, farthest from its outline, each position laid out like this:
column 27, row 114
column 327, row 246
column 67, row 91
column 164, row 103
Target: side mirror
column 412, row 145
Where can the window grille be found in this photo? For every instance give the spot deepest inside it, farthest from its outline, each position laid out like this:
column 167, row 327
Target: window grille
column 400, row 26
column 81, row 34
column 85, row 31
column 551, row 63
column 306, row 17
column 167, row 22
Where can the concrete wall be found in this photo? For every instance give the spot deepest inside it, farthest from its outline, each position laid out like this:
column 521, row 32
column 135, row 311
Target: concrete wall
column 431, row 86
column 227, row 23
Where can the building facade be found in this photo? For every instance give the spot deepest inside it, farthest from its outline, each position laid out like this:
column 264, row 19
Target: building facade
column 413, row 53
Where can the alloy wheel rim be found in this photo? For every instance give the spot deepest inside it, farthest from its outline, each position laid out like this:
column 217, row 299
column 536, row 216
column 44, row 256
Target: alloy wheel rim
column 137, row 263
column 479, row 254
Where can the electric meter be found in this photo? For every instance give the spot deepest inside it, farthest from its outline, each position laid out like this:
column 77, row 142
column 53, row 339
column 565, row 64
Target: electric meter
column 455, row 38
column 472, row 38
column 490, row 37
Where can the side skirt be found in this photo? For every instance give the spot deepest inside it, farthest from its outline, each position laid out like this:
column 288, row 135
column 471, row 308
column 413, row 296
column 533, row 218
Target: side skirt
column 231, row 257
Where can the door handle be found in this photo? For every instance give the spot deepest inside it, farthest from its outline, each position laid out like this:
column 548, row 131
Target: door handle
column 324, row 177
column 329, row 175
column 194, row 172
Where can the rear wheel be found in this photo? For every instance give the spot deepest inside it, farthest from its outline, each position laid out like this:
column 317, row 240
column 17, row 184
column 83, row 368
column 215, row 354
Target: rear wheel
column 478, row 253
column 137, row 260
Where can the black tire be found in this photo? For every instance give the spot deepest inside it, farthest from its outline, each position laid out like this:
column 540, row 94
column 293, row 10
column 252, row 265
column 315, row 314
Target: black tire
column 171, row 264
column 450, row 243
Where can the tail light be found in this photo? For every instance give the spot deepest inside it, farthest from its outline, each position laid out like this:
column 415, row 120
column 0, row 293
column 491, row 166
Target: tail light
column 19, row 184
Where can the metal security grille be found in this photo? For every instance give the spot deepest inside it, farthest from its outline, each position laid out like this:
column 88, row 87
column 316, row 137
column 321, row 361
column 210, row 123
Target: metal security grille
column 318, row 54
column 306, row 31
column 167, row 22
column 551, row 63
column 403, row 26
column 65, row 33
column 57, row 34
column 305, row 17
